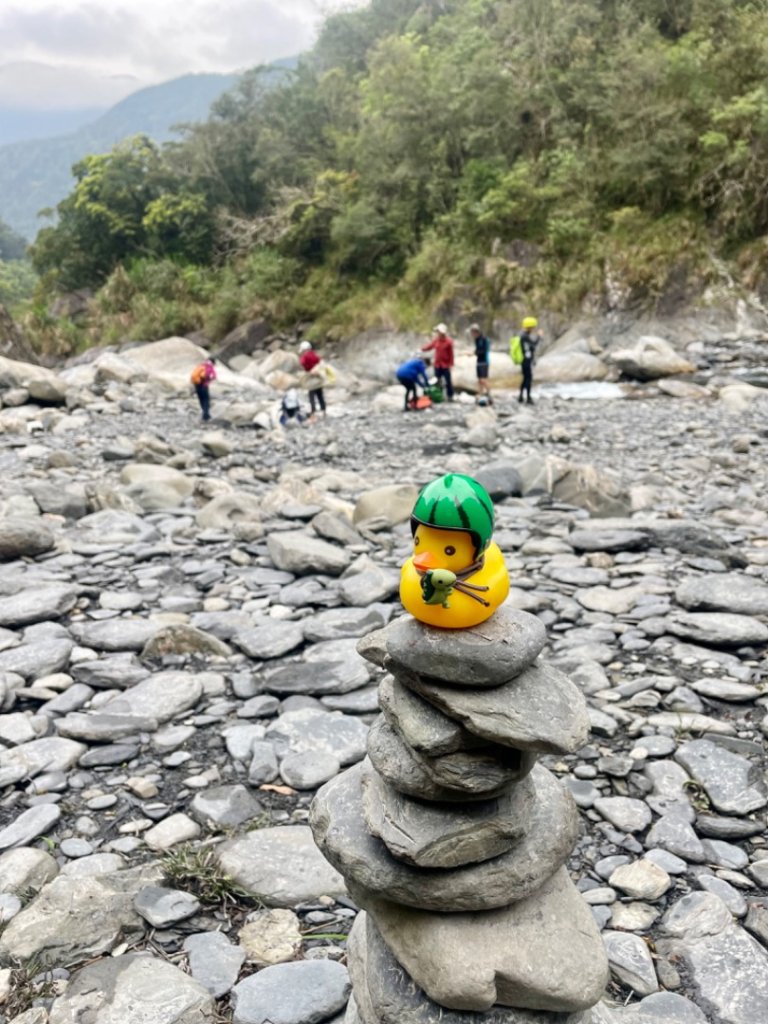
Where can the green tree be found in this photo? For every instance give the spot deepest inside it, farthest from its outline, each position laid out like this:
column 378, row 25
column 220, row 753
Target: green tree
column 126, row 203
column 12, row 245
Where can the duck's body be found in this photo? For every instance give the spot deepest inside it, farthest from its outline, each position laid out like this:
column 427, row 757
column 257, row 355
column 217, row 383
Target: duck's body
column 473, row 599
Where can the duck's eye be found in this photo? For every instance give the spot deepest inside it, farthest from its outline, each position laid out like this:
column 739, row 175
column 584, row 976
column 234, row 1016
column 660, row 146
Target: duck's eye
column 450, row 550
column 416, row 541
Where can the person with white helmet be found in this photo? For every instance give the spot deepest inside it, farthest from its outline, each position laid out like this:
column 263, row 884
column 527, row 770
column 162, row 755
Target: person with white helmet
column 529, row 340
column 314, row 379
column 443, row 349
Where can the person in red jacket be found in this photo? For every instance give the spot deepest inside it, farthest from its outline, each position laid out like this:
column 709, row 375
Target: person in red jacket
column 310, row 361
column 443, row 348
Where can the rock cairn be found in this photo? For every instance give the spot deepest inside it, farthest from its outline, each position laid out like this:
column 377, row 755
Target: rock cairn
column 453, row 839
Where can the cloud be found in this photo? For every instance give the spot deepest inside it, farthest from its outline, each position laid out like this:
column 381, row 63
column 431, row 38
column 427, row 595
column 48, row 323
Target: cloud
column 152, row 40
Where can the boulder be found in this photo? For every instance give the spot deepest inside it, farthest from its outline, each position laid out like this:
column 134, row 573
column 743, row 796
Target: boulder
column 566, row 367
column 387, row 505
column 43, row 385
column 648, row 359
column 20, row 538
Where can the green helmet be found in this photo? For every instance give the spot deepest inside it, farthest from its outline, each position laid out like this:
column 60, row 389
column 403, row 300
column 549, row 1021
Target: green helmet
column 456, row 502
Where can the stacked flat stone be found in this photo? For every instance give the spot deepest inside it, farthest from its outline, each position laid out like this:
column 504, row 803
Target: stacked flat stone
column 453, row 839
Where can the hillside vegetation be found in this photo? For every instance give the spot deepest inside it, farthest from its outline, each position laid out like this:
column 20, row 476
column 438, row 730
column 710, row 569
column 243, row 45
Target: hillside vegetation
column 441, row 155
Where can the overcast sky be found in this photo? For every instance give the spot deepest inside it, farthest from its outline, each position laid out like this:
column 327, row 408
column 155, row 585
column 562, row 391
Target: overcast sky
column 107, row 48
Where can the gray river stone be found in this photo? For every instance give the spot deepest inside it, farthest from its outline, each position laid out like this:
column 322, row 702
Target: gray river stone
column 540, row 710
column 37, row 656
column 22, row 538
column 727, row 969
column 724, row 592
column 26, row 869
column 49, row 754
column 733, row 784
column 659, row 1008
column 308, row 730
column 384, row 993
column 484, row 656
column 300, row 553
column 718, row 629
column 631, row 962
column 478, row 775
column 421, row 725
column 305, row 992
column 37, row 604
column 225, row 806
column 340, row 829
column 132, row 987
column 271, row 639
column 30, row 824
column 214, row 961
column 435, row 836
column 74, row 918
column 280, row 864
column 122, row 634
column 625, row 813
column 309, row 770
column 501, row 956
column 161, row 906
column 340, row 623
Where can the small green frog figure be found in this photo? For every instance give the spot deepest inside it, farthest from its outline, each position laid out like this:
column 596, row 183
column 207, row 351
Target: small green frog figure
column 437, row 586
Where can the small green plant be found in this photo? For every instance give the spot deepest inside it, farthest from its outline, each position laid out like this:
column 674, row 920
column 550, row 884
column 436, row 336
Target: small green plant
column 699, row 797
column 196, row 870
column 29, row 982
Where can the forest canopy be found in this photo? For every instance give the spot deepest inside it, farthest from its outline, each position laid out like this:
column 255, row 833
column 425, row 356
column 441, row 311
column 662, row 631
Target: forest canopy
column 421, row 137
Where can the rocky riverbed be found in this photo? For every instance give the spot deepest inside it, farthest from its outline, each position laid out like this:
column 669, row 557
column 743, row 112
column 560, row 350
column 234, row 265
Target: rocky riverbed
column 180, row 606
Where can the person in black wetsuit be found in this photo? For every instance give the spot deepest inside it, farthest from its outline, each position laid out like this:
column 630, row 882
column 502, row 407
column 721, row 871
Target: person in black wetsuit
column 529, row 340
column 483, row 359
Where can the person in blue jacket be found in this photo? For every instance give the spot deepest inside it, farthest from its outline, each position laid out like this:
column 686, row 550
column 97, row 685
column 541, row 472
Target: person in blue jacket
column 411, row 373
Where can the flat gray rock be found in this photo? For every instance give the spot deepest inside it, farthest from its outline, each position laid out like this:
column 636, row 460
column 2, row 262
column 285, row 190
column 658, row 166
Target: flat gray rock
column 310, row 731
column 270, row 640
column 225, row 806
column 724, row 592
column 484, row 656
column 37, row 604
column 305, row 992
column 702, row 939
column 421, row 725
column 540, row 710
column 596, row 539
column 120, row 988
column 21, row 538
column 280, row 864
column 51, row 753
column 385, row 993
column 631, row 962
column 330, row 667
column 341, row 832
column 214, row 961
column 299, row 553
column 340, row 623
column 476, row 775
column 675, row 834
column 733, row 784
column 436, row 836
column 659, row 1008
column 718, row 629
column 122, row 634
column 34, row 822
column 501, row 956
column 625, row 813
column 309, row 770
column 161, row 906
column 36, row 656
column 75, row 918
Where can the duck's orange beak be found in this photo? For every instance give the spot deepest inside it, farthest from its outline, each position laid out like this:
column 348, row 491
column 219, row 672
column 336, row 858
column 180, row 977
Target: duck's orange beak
column 424, row 561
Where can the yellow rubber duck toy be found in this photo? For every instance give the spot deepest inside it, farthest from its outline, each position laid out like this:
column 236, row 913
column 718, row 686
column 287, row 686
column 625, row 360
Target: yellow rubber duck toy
column 456, row 577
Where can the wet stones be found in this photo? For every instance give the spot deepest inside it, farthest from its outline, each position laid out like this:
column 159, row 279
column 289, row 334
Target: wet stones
column 453, row 839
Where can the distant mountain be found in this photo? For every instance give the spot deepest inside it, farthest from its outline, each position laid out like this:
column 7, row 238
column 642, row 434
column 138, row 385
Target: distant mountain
column 36, row 174
column 30, row 85
column 22, row 125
